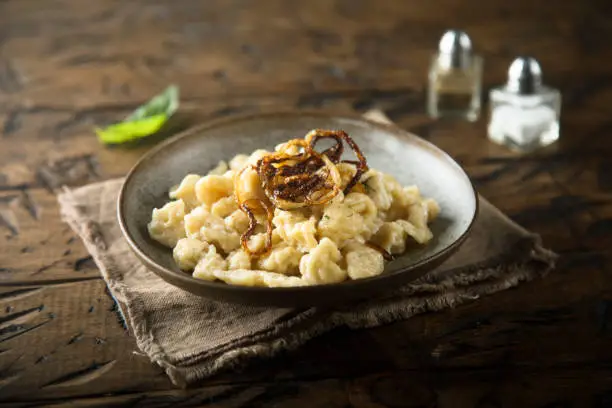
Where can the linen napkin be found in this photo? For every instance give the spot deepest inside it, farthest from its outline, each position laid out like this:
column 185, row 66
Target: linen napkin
column 193, row 337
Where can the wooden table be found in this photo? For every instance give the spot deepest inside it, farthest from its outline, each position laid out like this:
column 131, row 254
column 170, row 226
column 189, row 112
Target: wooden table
column 67, row 65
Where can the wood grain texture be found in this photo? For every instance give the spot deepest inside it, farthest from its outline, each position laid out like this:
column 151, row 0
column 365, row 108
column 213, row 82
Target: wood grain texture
column 68, row 65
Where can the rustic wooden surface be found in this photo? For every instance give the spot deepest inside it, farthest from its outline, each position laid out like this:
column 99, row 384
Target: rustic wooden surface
column 66, row 65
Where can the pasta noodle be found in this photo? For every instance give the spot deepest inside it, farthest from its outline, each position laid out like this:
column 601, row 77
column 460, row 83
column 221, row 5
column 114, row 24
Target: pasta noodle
column 325, row 239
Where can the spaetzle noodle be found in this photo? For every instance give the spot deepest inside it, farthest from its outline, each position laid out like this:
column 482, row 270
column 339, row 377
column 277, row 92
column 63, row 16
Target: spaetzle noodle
column 313, row 245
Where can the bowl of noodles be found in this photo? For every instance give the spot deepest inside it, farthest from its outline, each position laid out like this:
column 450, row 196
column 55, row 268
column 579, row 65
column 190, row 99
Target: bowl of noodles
column 295, row 209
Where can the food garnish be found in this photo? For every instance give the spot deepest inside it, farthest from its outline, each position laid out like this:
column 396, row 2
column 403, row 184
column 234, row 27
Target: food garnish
column 144, row 121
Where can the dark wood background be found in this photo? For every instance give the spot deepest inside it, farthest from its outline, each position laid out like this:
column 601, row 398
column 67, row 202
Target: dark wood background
column 67, row 65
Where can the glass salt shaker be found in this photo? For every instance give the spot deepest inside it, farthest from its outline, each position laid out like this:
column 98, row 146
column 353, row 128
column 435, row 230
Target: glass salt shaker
column 455, row 78
column 524, row 113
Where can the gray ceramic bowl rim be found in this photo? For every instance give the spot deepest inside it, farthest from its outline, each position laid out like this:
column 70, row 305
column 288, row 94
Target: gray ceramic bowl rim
column 162, row 271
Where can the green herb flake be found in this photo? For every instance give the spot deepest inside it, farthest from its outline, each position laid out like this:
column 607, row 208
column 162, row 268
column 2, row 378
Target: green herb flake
column 144, row 121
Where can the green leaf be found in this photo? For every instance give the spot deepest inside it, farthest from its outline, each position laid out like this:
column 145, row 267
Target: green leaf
column 166, row 102
column 144, row 121
column 128, row 131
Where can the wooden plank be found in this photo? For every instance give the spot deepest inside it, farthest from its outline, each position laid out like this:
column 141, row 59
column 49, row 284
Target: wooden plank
column 212, row 50
column 67, row 338
column 457, row 389
column 70, row 65
column 42, row 249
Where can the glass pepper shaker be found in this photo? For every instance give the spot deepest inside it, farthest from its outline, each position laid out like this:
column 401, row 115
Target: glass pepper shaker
column 524, row 113
column 455, row 78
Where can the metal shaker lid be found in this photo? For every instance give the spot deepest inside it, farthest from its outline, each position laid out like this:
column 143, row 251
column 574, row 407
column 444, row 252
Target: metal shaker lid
column 454, row 49
column 524, row 76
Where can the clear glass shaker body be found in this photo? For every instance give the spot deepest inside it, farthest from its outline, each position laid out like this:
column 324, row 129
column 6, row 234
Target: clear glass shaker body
column 524, row 122
column 455, row 91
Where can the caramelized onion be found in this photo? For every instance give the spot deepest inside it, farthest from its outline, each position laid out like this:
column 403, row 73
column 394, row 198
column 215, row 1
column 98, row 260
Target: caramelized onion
column 339, row 135
column 249, row 209
column 293, row 180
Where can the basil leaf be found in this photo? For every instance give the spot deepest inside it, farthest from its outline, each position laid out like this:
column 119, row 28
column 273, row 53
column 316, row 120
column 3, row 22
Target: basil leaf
column 128, row 131
column 144, row 121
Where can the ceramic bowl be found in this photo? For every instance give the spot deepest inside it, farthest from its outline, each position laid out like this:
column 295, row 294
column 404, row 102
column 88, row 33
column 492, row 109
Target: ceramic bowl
column 407, row 157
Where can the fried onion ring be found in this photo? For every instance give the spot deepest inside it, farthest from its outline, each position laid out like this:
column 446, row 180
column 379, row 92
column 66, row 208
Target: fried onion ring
column 248, row 208
column 293, row 180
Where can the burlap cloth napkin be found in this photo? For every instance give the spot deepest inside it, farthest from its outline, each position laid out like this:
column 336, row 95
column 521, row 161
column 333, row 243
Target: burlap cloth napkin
column 193, row 338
